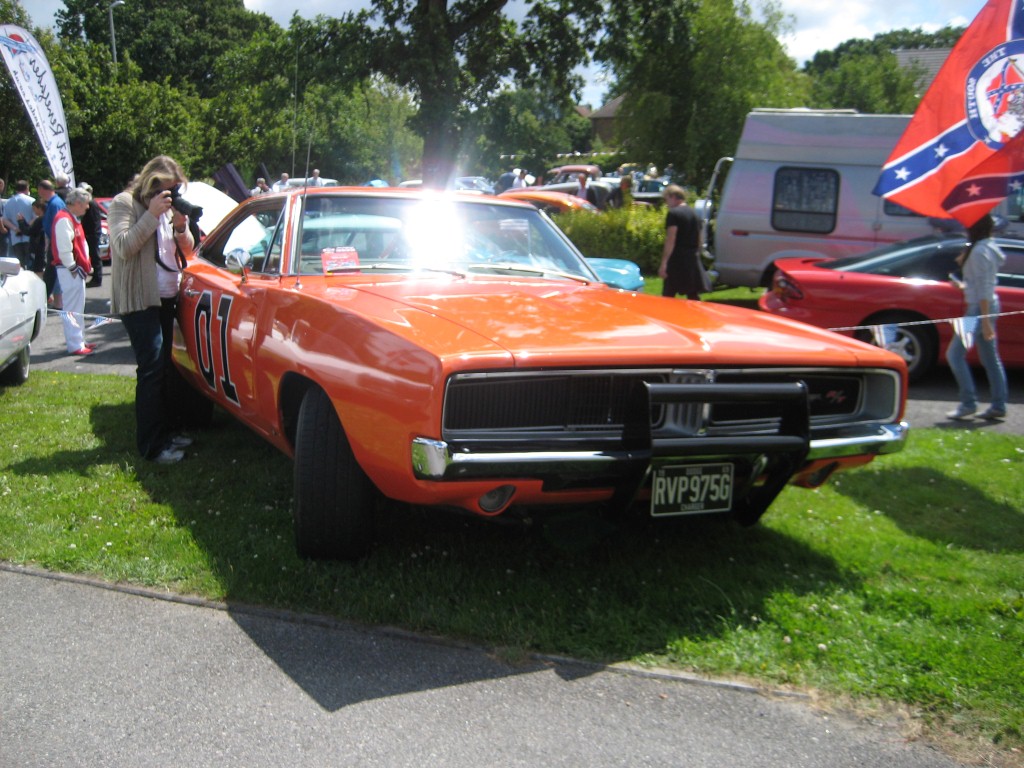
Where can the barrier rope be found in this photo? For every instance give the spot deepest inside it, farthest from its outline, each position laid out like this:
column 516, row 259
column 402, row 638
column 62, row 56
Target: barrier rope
column 98, row 320
column 884, row 334
column 923, row 322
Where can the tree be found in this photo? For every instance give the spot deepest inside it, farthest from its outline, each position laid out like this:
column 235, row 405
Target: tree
column 689, row 73
column 867, row 82
column 452, row 56
column 883, row 43
column 526, row 124
column 179, row 42
column 865, row 75
column 116, row 128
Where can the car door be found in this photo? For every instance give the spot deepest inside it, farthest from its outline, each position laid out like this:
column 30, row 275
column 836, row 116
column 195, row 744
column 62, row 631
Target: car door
column 11, row 314
column 1010, row 290
column 223, row 293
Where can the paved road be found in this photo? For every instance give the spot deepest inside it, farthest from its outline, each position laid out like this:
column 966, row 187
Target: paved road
column 91, row 676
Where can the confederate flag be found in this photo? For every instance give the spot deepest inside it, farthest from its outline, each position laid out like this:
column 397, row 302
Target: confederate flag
column 959, row 156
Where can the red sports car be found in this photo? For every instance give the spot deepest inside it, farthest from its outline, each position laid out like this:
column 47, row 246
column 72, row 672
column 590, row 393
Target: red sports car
column 902, row 294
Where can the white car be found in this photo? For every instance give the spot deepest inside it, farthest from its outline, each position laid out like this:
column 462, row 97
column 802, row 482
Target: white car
column 22, row 317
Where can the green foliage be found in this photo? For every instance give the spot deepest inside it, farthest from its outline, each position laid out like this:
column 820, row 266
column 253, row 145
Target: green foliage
column 636, row 234
column 524, row 124
column 114, row 124
column 374, row 92
column 870, row 83
column 898, row 582
column 690, row 75
column 452, row 57
column 864, row 74
column 175, row 42
column 881, row 44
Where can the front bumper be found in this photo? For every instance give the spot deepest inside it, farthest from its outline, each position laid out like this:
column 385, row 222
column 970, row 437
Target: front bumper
column 766, row 462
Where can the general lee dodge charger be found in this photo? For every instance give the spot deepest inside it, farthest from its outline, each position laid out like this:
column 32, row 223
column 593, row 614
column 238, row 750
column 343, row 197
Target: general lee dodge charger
column 457, row 351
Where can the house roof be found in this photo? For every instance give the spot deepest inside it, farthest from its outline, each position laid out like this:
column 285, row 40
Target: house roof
column 608, row 109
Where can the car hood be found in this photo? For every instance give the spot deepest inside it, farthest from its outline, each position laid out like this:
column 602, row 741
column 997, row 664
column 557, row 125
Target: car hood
column 541, row 322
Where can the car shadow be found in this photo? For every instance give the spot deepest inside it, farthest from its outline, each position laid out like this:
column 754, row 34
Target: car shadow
column 567, row 584
column 976, row 522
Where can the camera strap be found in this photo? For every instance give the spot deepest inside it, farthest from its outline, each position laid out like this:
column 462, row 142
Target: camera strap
column 179, row 257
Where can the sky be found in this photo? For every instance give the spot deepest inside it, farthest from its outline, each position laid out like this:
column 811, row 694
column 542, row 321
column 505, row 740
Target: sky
column 815, row 25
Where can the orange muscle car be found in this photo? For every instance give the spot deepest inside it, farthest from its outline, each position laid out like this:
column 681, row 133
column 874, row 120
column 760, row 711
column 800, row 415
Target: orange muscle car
column 458, row 351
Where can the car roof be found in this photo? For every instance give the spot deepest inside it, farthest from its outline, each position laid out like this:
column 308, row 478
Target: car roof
column 403, row 193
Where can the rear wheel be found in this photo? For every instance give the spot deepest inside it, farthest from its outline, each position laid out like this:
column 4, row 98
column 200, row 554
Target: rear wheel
column 17, row 372
column 916, row 344
column 334, row 499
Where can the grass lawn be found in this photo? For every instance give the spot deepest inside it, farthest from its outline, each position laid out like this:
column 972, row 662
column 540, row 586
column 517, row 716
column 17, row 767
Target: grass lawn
column 901, row 582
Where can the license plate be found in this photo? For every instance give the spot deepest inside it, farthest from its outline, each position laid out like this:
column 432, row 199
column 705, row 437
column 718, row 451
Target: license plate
column 691, row 489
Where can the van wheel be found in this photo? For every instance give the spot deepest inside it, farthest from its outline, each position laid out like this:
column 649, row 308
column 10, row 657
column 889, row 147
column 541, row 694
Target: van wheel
column 17, row 372
column 334, row 499
column 916, row 344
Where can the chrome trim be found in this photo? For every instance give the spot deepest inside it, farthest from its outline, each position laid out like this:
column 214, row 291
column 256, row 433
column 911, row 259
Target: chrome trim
column 434, row 460
column 888, row 438
column 430, row 458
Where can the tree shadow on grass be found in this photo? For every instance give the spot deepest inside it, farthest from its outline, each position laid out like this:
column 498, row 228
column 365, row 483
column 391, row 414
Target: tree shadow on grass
column 944, row 510
column 568, row 583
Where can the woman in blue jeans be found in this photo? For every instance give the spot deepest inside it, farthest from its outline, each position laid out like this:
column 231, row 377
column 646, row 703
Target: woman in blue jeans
column 145, row 232
column 980, row 264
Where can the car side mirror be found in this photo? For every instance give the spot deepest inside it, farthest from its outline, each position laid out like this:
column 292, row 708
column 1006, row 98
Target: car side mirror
column 238, row 261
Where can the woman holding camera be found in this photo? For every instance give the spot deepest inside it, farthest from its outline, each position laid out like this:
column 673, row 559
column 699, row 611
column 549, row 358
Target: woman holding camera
column 148, row 241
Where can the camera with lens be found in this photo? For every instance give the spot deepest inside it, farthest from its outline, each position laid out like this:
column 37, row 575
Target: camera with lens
column 184, row 207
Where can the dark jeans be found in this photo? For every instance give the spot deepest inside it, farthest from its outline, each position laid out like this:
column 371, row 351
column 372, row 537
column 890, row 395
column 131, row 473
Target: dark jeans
column 22, row 253
column 145, row 331
column 174, row 385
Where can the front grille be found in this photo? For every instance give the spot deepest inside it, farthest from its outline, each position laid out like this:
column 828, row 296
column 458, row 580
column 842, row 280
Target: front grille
column 831, row 397
column 567, row 401
column 593, row 403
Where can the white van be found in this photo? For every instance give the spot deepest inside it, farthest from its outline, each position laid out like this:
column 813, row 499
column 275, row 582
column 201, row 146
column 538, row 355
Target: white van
column 800, row 185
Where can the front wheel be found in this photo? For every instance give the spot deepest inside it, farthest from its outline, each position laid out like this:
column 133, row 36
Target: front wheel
column 334, row 499
column 17, row 372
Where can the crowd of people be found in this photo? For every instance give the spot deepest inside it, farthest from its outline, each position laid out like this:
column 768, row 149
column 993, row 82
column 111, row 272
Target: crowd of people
column 56, row 235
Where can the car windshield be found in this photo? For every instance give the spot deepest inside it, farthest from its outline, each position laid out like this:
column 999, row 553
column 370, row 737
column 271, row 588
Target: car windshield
column 349, row 233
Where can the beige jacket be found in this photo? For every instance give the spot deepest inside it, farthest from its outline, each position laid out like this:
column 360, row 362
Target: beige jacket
column 133, row 268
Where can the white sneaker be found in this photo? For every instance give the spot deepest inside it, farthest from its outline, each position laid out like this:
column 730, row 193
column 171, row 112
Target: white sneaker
column 994, row 414
column 169, row 455
column 180, row 441
column 962, row 412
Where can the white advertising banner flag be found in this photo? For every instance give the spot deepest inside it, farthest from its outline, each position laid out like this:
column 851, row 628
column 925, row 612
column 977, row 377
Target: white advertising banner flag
column 33, row 78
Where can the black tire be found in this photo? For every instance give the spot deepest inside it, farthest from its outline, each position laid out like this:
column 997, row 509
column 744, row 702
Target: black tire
column 16, row 373
column 767, row 277
column 916, row 344
column 334, row 499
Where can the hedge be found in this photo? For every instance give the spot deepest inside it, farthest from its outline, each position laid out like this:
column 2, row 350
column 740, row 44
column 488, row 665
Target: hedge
column 636, row 233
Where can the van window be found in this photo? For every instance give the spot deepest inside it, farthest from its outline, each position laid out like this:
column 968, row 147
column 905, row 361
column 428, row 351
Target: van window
column 805, row 200
column 889, row 208
column 1015, row 205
